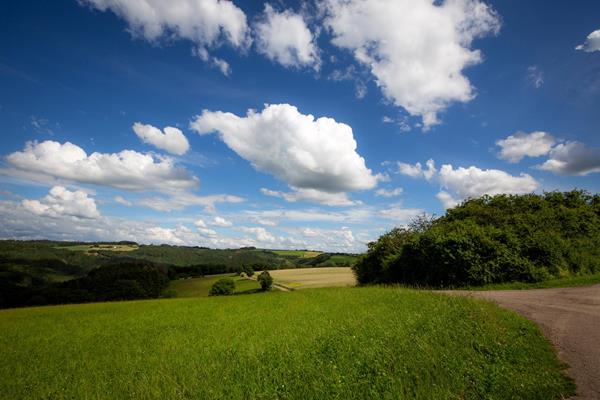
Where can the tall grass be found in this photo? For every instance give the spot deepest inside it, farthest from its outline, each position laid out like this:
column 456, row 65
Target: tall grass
column 376, row 343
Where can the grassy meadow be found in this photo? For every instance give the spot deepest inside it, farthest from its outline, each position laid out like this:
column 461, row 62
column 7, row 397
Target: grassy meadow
column 345, row 343
column 569, row 281
column 200, row 287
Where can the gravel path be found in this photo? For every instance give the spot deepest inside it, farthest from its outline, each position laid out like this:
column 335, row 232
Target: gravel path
column 570, row 319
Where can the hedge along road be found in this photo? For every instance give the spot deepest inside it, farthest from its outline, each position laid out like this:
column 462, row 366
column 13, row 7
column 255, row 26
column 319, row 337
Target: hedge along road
column 570, row 318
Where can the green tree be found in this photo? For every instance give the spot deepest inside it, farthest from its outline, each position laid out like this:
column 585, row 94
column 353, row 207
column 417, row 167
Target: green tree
column 266, row 280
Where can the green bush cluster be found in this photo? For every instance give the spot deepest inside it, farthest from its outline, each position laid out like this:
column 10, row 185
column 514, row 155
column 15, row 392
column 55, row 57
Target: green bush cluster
column 223, row 287
column 492, row 239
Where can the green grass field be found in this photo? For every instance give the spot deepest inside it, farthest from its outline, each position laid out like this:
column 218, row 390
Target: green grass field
column 571, row 281
column 297, row 253
column 200, row 287
column 357, row 343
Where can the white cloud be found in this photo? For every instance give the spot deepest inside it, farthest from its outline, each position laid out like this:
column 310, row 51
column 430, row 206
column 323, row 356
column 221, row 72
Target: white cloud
column 261, row 234
column 62, row 202
column 222, row 222
column 416, row 170
column 180, row 200
column 535, row 76
column 592, row 42
column 284, row 38
column 206, row 23
column 416, row 49
column 216, row 62
column 350, row 74
column 172, row 140
column 401, row 215
column 522, row 144
column 123, row 201
column 389, row 192
column 305, row 152
column 203, row 229
column 127, row 169
column 447, row 200
column 222, row 65
column 572, row 158
column 462, row 183
column 313, row 196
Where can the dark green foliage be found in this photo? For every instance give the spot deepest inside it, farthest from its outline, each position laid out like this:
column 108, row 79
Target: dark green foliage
column 223, row 287
column 125, row 281
column 490, row 240
column 248, row 270
column 265, row 280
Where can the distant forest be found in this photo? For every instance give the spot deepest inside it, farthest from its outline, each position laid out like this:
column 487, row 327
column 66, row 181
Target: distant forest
column 49, row 272
column 493, row 239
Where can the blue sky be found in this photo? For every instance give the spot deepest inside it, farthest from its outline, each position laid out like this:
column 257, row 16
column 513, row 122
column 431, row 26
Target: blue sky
column 346, row 98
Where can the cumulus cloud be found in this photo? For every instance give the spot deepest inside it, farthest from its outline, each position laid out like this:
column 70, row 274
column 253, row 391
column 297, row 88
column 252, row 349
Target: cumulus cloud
column 203, row 229
column 592, row 42
column 416, row 49
column 462, row 183
column 222, row 222
column 170, row 139
column 127, row 169
column 416, row 170
column 284, row 38
column 261, row 234
column 312, row 195
column 304, row 152
column 206, row 23
column 389, row 192
column 572, row 158
column 515, row 147
column 62, row 202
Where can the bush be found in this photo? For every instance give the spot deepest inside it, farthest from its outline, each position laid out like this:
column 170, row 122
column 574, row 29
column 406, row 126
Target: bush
column 265, row 280
column 248, row 270
column 223, row 287
column 527, row 238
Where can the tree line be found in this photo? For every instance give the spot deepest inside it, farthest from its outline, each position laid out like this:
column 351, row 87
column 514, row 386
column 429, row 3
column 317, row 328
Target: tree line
column 492, row 239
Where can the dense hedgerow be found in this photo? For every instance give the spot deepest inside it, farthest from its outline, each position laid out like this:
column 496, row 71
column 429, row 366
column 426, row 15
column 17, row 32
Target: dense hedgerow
column 493, row 239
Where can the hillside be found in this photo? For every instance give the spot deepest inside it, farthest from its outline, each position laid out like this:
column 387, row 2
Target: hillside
column 38, row 272
column 314, row 344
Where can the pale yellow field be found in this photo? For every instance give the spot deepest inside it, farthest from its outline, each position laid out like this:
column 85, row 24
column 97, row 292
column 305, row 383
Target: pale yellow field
column 302, row 278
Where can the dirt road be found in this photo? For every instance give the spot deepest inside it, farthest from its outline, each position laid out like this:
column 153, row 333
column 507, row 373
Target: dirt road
column 570, row 318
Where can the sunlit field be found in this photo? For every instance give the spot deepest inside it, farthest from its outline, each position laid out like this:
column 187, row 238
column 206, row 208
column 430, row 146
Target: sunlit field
column 314, row 277
column 200, row 287
column 340, row 343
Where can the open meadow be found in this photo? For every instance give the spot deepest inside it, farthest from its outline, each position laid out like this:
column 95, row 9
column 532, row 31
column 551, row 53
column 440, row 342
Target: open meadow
column 200, row 287
column 325, row 343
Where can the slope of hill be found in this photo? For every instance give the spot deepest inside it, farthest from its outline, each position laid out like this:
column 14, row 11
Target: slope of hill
column 314, row 344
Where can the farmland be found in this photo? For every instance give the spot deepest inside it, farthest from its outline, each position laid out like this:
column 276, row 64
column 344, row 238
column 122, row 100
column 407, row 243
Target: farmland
column 314, row 277
column 200, row 287
column 321, row 343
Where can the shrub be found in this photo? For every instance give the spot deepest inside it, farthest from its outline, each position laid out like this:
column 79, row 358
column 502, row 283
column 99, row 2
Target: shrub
column 493, row 239
column 265, row 280
column 223, row 287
